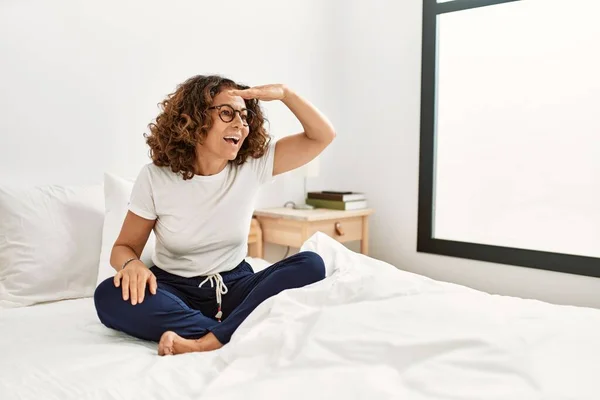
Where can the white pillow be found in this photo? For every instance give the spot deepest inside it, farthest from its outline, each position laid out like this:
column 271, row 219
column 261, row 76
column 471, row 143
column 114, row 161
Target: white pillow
column 50, row 240
column 117, row 191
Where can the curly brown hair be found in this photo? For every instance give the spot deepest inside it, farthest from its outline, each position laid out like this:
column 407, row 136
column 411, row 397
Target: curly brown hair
column 184, row 122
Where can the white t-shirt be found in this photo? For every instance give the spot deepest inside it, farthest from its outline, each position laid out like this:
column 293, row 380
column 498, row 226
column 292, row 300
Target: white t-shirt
column 202, row 224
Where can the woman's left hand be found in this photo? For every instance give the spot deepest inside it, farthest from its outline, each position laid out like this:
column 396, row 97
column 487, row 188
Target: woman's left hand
column 264, row 92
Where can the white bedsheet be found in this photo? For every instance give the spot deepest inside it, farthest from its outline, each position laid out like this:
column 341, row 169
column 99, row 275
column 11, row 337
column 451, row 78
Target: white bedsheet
column 368, row 331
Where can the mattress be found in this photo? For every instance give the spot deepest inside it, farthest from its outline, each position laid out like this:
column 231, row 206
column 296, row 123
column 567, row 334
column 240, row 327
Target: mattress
column 367, row 331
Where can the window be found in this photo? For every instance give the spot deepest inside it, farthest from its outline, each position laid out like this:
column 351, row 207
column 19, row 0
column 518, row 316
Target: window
column 510, row 133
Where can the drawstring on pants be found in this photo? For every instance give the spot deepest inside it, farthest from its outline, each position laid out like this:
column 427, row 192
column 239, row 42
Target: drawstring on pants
column 216, row 280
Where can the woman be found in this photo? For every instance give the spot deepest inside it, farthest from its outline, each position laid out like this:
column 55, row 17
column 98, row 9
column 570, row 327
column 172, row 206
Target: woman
column 210, row 154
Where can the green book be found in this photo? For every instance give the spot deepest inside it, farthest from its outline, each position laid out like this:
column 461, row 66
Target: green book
column 337, row 204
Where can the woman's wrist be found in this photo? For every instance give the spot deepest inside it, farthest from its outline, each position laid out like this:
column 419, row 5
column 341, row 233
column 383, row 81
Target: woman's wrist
column 287, row 92
column 129, row 261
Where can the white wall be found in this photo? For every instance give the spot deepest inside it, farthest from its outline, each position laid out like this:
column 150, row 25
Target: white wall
column 80, row 81
column 378, row 145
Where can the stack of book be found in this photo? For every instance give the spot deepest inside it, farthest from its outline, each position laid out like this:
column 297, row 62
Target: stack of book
column 337, row 200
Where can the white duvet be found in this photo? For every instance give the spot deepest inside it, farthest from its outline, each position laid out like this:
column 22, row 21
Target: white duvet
column 368, row 331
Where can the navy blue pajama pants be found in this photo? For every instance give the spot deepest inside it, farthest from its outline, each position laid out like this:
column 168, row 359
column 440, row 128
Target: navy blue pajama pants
column 179, row 305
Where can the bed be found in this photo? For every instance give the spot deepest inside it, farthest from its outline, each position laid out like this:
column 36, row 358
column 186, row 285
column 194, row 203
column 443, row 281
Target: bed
column 368, row 331
column 59, row 350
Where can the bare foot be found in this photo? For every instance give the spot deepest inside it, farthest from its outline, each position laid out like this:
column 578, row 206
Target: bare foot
column 171, row 344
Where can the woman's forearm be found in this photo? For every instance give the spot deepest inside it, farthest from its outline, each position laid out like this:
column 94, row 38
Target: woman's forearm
column 316, row 125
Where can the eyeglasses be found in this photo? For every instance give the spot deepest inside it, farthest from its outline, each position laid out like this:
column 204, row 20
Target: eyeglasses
column 227, row 114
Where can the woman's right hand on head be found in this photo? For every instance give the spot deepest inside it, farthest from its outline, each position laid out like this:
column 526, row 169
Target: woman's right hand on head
column 133, row 279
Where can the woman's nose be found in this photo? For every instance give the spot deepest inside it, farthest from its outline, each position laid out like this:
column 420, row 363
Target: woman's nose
column 237, row 119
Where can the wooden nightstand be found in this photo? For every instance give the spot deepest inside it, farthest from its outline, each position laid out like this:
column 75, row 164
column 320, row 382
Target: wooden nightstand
column 290, row 227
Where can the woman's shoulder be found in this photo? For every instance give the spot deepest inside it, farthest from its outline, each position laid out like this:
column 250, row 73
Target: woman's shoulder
column 155, row 173
column 257, row 161
column 261, row 167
